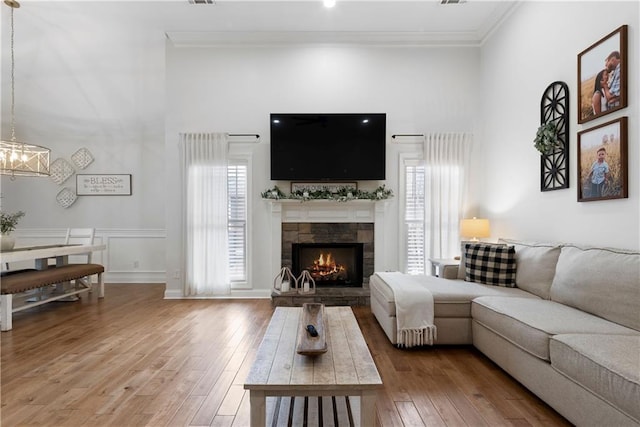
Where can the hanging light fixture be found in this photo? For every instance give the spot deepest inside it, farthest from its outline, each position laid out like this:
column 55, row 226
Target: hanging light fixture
column 18, row 158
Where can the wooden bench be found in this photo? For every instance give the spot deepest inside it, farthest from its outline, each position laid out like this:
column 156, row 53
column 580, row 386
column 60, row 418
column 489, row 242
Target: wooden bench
column 26, row 280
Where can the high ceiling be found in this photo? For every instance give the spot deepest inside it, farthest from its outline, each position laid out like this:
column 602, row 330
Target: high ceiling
column 223, row 22
column 350, row 21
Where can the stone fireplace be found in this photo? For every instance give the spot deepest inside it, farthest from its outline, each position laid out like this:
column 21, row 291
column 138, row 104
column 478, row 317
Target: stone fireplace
column 327, row 235
column 329, row 223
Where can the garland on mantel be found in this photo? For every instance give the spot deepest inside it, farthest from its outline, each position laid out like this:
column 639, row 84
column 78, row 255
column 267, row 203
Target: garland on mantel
column 341, row 195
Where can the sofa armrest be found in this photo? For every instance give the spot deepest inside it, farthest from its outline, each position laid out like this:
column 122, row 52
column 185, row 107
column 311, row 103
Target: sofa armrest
column 450, row 272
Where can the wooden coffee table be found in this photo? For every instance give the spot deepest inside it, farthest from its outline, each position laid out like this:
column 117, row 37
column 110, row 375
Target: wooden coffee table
column 346, row 369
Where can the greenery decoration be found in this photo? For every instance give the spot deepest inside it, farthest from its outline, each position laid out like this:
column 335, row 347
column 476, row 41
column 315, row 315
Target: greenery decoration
column 8, row 222
column 273, row 193
column 342, row 195
column 546, row 138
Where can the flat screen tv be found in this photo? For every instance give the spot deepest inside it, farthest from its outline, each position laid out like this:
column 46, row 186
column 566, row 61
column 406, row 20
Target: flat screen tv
column 328, row 147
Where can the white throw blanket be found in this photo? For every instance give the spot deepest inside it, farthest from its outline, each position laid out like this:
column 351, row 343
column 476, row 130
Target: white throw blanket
column 414, row 309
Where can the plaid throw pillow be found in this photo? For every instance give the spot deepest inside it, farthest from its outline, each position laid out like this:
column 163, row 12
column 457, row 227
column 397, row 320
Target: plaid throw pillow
column 490, row 264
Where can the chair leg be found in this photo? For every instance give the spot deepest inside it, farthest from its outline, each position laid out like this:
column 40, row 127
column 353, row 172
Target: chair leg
column 100, row 286
column 6, row 308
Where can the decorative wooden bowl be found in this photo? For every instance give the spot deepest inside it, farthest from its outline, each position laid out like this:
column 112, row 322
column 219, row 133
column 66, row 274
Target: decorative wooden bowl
column 312, row 314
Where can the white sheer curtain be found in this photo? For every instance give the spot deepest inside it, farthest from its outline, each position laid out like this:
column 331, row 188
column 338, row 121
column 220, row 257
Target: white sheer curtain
column 446, row 157
column 204, row 177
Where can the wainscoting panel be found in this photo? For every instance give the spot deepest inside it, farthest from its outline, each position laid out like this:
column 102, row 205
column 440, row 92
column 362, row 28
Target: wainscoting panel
column 131, row 256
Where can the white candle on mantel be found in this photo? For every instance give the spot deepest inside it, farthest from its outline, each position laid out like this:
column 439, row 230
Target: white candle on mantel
column 284, row 286
column 305, row 286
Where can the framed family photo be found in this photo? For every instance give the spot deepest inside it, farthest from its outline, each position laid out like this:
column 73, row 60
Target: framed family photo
column 602, row 162
column 602, row 76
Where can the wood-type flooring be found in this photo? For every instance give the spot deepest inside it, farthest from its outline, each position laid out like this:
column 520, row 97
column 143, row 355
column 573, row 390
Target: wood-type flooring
column 135, row 359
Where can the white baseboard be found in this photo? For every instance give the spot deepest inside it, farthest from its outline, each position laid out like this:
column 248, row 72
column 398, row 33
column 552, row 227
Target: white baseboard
column 135, row 277
column 172, row 294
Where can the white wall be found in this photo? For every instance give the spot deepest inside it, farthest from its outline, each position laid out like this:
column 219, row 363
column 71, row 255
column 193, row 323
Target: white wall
column 95, row 84
column 536, row 46
column 99, row 84
column 234, row 90
column 104, row 84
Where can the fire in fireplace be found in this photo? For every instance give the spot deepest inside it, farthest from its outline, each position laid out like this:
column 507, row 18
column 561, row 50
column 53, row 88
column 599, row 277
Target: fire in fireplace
column 326, row 268
column 330, row 264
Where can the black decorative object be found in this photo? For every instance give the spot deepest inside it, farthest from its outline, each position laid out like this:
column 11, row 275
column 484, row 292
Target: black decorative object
column 554, row 166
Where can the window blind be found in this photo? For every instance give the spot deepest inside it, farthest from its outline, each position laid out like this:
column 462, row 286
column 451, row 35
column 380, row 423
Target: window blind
column 237, row 221
column 414, row 208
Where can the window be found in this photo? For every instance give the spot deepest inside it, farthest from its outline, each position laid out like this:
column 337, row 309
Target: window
column 414, row 227
column 433, row 184
column 237, row 220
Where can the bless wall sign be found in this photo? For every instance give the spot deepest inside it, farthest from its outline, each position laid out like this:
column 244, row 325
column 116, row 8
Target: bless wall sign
column 103, row 185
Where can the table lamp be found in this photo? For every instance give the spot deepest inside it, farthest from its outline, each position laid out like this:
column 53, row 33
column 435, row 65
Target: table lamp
column 474, row 228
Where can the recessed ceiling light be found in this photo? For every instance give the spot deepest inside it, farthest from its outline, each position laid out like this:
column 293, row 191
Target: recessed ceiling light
column 329, row 3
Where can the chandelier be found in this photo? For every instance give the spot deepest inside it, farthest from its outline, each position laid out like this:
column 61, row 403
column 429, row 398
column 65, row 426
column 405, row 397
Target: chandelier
column 19, row 158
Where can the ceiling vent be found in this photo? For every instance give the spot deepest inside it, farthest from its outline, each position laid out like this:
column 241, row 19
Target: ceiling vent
column 202, row 1
column 452, row 1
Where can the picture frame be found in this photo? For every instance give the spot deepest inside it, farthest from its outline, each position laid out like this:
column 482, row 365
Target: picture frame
column 103, row 185
column 332, row 187
column 600, row 66
column 608, row 181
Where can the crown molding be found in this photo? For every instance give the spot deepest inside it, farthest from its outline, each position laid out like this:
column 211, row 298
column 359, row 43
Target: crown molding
column 279, row 38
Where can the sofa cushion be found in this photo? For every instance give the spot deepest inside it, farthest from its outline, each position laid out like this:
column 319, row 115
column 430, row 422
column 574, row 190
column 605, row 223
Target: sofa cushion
column 452, row 298
column 490, row 264
column 601, row 281
column 529, row 323
column 536, row 265
column 608, row 365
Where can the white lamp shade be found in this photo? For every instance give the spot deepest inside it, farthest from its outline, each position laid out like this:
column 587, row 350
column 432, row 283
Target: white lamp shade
column 474, row 228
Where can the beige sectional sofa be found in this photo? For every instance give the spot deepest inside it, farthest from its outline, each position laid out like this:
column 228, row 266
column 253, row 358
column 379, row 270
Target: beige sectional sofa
column 569, row 331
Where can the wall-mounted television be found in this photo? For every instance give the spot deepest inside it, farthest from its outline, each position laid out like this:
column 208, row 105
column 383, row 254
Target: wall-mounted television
column 328, row 147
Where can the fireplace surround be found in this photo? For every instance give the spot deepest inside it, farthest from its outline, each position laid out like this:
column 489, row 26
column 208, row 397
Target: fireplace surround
column 337, row 235
column 360, row 221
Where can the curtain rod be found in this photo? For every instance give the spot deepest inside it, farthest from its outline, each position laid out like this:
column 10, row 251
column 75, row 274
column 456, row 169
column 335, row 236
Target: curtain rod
column 257, row 136
column 245, row 135
column 406, row 134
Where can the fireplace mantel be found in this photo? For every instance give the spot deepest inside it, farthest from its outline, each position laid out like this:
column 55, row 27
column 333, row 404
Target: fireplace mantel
column 292, row 211
column 327, row 210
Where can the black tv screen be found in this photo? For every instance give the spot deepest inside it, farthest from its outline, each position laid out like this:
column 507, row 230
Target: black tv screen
column 328, row 147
